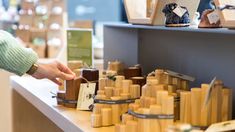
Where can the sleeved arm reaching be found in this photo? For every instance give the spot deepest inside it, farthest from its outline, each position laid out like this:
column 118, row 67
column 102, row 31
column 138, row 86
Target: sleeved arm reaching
column 14, row 57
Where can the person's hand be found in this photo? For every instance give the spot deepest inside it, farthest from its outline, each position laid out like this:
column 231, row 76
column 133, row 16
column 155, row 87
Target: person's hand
column 53, row 71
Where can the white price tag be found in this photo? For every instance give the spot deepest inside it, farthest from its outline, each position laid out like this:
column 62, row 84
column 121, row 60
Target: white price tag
column 213, row 17
column 179, row 11
column 85, row 98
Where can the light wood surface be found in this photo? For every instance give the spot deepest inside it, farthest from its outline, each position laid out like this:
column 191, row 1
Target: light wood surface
column 37, row 92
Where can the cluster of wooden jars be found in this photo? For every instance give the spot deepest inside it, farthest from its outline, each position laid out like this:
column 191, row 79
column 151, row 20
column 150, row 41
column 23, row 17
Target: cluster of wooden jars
column 113, row 89
column 162, row 104
column 160, row 96
column 194, row 109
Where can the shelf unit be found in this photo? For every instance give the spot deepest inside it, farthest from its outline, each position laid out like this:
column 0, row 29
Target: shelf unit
column 202, row 53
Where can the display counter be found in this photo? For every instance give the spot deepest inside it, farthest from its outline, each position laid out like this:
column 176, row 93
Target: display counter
column 34, row 109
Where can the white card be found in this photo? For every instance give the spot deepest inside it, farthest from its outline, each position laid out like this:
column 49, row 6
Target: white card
column 179, row 11
column 213, row 17
column 86, row 94
column 222, row 126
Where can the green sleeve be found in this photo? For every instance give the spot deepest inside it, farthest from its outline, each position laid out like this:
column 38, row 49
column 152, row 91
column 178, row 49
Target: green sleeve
column 13, row 56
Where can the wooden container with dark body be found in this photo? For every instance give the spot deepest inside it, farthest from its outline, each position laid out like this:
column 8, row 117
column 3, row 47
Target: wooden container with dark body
column 72, row 91
column 132, row 72
column 91, row 75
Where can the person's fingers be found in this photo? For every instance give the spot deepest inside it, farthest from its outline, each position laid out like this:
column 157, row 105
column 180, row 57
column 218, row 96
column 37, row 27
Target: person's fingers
column 56, row 81
column 65, row 76
column 64, row 69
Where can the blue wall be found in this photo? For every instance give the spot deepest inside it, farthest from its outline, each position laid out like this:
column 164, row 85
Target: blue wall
column 98, row 10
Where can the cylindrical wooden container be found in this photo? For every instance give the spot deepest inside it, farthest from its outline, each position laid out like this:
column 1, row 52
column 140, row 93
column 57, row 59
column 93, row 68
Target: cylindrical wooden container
column 91, row 75
column 117, row 91
column 126, row 86
column 131, row 126
column 97, row 108
column 160, row 96
column 139, row 80
column 96, row 120
column 185, row 85
column 72, row 91
column 132, row 72
column 100, row 92
column 167, row 108
column 216, row 101
column 135, row 91
column 108, row 91
column 177, row 82
column 155, row 123
column 106, row 114
column 185, row 107
column 205, row 109
column 118, row 81
column 126, row 117
column 102, row 83
column 144, row 123
column 195, row 106
column 160, row 75
column 116, row 110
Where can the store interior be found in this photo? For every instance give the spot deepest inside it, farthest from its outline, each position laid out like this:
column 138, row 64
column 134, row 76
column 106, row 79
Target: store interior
column 140, row 65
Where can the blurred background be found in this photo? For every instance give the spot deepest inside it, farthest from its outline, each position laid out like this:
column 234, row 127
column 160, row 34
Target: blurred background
column 41, row 25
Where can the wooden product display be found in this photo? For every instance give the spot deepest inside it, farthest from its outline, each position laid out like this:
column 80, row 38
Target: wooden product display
column 195, row 111
column 227, row 15
column 147, row 106
column 122, row 89
column 150, row 11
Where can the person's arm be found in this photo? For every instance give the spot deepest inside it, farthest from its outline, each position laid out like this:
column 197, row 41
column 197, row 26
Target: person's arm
column 17, row 59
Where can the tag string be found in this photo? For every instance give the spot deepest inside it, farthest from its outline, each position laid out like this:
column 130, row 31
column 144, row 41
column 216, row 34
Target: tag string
column 230, row 7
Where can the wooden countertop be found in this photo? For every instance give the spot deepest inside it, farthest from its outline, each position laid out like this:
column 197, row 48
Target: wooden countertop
column 38, row 93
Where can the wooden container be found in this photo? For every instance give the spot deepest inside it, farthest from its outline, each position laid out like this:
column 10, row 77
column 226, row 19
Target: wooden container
column 96, row 120
column 118, row 81
column 196, row 106
column 155, row 123
column 205, row 109
column 91, row 75
column 134, row 71
column 126, row 86
column 227, row 104
column 185, row 107
column 216, row 101
column 131, row 126
column 72, row 91
column 139, row 80
column 135, row 91
column 106, row 114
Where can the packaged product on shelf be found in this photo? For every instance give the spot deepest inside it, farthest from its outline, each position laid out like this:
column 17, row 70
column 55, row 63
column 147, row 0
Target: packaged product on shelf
column 226, row 10
column 149, row 12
